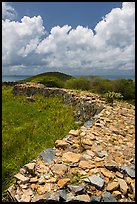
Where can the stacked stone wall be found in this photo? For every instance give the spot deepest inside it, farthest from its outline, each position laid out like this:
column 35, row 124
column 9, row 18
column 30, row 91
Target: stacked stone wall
column 85, row 106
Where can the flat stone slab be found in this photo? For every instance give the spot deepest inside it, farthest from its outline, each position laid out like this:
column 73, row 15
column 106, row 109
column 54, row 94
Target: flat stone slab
column 63, row 194
column 123, row 185
column 61, row 143
column 112, row 186
column 129, row 171
column 59, row 169
column 48, row 155
column 96, row 181
column 74, row 132
column 95, row 198
column 22, row 178
column 71, row 157
column 76, row 188
column 83, row 198
column 108, row 197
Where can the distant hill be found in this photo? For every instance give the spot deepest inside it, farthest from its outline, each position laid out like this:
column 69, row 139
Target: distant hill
column 49, row 79
column 58, row 75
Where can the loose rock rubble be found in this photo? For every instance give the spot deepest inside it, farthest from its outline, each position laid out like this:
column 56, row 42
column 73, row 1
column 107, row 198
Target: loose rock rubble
column 94, row 163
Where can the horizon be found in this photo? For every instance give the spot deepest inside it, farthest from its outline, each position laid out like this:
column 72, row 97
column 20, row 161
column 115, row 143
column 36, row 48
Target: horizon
column 97, row 75
column 75, row 38
column 72, row 75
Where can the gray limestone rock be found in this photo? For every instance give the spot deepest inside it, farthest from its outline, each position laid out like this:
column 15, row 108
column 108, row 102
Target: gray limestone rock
column 76, row 188
column 97, row 181
column 63, row 194
column 101, row 154
column 108, row 197
column 129, row 171
column 53, row 196
column 95, row 198
column 48, row 155
column 88, row 124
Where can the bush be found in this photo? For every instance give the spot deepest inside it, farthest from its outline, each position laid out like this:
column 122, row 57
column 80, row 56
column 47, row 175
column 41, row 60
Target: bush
column 126, row 87
column 110, row 96
column 78, row 83
column 100, row 85
column 51, row 82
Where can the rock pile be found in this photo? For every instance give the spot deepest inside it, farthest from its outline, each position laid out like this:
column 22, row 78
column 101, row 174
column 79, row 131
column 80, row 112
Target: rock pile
column 85, row 106
column 94, row 163
column 9, row 83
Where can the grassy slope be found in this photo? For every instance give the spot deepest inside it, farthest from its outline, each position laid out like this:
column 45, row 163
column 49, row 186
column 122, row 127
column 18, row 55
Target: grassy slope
column 28, row 128
column 59, row 75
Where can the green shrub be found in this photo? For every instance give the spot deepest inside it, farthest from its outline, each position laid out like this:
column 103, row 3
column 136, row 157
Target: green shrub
column 78, row 83
column 126, row 87
column 50, row 81
column 100, row 85
column 110, row 96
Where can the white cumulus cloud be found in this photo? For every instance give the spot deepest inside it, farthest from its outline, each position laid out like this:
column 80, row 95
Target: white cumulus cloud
column 8, row 12
column 111, row 46
column 20, row 39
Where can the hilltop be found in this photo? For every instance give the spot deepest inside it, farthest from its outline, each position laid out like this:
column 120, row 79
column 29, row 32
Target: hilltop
column 58, row 75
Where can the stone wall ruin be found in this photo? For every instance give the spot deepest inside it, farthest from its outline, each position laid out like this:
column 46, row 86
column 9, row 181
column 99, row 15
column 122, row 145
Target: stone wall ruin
column 85, row 106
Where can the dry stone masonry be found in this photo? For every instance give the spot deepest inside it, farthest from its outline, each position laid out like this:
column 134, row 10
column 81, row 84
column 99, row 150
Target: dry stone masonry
column 85, row 106
column 95, row 163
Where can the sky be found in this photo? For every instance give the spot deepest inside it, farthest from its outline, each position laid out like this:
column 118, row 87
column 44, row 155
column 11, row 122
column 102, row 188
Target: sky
column 76, row 38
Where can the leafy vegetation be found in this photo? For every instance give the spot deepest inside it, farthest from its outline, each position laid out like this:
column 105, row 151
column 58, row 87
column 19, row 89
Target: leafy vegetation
column 126, row 87
column 28, row 128
column 78, row 83
column 110, row 96
column 94, row 84
column 100, row 85
column 50, row 81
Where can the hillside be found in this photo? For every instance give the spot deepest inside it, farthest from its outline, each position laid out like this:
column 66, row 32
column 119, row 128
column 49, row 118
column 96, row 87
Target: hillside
column 49, row 79
column 58, row 75
column 96, row 162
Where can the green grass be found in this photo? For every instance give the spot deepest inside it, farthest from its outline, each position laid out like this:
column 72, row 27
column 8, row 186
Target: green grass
column 28, row 128
column 58, row 75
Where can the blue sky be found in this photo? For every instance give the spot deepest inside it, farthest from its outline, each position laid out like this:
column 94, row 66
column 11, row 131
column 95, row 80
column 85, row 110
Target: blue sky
column 78, row 38
column 62, row 13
